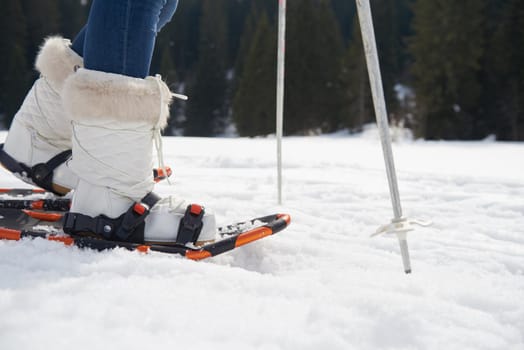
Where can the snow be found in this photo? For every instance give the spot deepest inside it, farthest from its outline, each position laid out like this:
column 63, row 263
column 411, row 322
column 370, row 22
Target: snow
column 323, row 283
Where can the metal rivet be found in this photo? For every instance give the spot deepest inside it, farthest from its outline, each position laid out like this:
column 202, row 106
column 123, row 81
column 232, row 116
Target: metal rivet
column 107, row 228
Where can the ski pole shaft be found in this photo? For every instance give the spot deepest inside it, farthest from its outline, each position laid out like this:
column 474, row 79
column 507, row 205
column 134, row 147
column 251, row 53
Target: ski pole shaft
column 405, row 254
column 280, row 90
column 379, row 102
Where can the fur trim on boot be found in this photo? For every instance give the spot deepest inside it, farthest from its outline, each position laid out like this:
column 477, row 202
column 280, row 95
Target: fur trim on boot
column 56, row 61
column 93, row 95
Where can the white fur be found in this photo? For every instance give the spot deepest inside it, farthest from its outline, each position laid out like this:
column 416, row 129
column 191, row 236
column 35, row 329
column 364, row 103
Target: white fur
column 56, row 61
column 94, row 95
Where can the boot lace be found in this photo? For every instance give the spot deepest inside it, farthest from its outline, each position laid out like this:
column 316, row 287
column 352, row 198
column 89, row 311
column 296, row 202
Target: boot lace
column 157, row 132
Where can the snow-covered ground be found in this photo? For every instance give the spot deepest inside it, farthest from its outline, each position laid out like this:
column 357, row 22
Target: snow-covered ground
column 320, row 284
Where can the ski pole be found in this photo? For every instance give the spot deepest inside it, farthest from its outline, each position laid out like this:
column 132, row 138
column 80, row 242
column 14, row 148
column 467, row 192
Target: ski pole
column 280, row 90
column 399, row 225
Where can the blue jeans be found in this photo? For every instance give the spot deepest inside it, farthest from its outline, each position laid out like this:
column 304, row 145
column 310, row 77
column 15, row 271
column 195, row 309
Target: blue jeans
column 119, row 36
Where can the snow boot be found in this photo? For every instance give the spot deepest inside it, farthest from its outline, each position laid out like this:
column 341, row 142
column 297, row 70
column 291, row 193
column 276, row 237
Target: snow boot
column 39, row 141
column 116, row 123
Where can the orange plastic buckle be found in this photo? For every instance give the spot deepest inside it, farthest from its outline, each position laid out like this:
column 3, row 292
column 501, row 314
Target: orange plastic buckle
column 159, row 174
column 140, row 208
column 196, row 209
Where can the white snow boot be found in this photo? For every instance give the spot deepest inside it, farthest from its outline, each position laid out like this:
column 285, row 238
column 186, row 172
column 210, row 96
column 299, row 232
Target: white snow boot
column 116, row 123
column 39, row 141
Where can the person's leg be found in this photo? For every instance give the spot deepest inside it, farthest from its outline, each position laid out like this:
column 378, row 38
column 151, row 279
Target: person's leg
column 167, row 14
column 78, row 42
column 118, row 112
column 165, row 17
column 120, row 36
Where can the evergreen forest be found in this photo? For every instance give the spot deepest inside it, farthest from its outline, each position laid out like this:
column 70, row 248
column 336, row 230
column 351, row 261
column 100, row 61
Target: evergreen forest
column 451, row 69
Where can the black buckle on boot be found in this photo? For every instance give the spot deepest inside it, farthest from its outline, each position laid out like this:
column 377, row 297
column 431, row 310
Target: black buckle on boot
column 75, row 223
column 136, row 216
column 41, row 174
column 128, row 227
column 191, row 224
column 13, row 165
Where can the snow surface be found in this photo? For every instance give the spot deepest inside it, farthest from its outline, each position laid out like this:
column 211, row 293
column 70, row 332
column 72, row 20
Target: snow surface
column 320, row 284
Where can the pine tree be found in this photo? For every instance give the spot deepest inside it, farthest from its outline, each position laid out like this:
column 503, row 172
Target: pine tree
column 504, row 74
column 255, row 100
column 330, row 49
column 184, row 35
column 345, row 11
column 169, row 75
column 167, row 66
column 386, row 19
column 14, row 81
column 43, row 19
column 246, row 41
column 313, row 94
column 18, row 79
column 391, row 24
column 206, row 107
column 448, row 48
column 359, row 105
column 237, row 13
column 73, row 15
